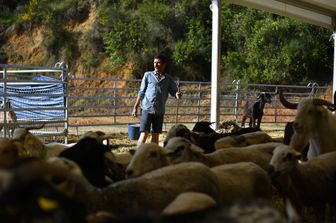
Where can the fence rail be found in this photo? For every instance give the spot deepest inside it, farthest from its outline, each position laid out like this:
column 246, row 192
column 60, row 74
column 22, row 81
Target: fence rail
column 109, row 101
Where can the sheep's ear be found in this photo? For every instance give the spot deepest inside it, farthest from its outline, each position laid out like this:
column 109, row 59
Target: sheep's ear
column 298, row 155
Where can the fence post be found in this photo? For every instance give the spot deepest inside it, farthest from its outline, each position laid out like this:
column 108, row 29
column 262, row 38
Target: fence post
column 65, row 78
column 237, row 83
column 4, row 107
column 114, row 100
column 313, row 88
column 275, row 109
column 199, row 102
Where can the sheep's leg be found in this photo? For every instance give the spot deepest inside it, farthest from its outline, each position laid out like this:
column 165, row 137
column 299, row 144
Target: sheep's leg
column 252, row 122
column 243, row 121
column 258, row 122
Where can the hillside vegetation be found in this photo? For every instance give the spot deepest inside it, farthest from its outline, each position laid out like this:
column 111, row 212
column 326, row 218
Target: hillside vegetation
column 119, row 38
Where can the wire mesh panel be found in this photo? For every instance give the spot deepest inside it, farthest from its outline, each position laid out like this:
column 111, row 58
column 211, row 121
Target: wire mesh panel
column 35, row 96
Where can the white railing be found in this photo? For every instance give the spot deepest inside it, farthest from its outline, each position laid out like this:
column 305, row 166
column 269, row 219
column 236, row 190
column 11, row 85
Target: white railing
column 109, row 101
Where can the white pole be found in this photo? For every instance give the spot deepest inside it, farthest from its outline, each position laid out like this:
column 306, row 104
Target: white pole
column 334, row 70
column 215, row 61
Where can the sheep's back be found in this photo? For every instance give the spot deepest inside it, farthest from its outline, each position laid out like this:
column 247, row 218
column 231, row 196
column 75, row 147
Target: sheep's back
column 155, row 190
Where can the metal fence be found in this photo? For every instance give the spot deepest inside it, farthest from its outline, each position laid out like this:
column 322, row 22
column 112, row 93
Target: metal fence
column 108, row 102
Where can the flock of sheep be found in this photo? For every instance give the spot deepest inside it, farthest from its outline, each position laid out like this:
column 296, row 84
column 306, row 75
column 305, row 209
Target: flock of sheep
column 197, row 175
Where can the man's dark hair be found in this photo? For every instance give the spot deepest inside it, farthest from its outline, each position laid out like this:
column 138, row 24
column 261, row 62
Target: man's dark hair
column 162, row 57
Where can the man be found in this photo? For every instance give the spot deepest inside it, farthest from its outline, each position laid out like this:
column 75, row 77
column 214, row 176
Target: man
column 153, row 94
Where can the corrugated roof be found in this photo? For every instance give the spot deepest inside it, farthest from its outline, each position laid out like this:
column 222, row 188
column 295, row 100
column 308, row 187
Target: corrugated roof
column 317, row 12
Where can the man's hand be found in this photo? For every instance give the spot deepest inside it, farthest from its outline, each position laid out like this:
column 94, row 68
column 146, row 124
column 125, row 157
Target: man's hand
column 135, row 112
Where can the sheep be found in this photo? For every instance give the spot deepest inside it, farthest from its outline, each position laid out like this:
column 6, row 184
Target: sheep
column 151, row 156
column 33, row 145
column 150, row 192
column 242, row 180
column 121, row 158
column 35, row 200
column 203, row 127
column 181, row 150
column 53, row 149
column 288, row 133
column 310, row 183
column 189, row 202
column 177, row 130
column 147, row 157
column 10, row 152
column 89, row 154
column 244, row 210
column 313, row 124
column 36, row 148
column 255, row 111
column 72, row 166
column 243, row 140
column 204, row 140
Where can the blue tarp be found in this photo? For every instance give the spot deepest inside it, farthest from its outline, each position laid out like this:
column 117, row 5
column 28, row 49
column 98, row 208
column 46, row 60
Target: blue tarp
column 40, row 102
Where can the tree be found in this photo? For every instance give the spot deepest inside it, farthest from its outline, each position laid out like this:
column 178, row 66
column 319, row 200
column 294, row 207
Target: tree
column 277, row 50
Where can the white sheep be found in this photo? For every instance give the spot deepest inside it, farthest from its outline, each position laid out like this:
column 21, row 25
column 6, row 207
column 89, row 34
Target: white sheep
column 156, row 189
column 147, row 157
column 122, row 158
column 243, row 140
column 150, row 192
column 180, row 149
column 245, row 210
column 33, row 145
column 310, row 183
column 189, row 202
column 10, row 152
column 313, row 124
column 54, row 149
column 36, row 148
column 242, row 180
column 66, row 163
column 177, row 130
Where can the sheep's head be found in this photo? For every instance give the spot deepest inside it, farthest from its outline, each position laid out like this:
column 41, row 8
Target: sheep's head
column 177, row 130
column 203, row 127
column 311, row 113
column 33, row 145
column 179, row 149
column 100, row 136
column 10, row 152
column 266, row 97
column 283, row 160
column 147, row 157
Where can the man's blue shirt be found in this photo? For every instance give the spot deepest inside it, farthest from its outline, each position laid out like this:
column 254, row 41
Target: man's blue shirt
column 155, row 92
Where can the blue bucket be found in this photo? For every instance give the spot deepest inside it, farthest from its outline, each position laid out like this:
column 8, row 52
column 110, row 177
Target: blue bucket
column 133, row 131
